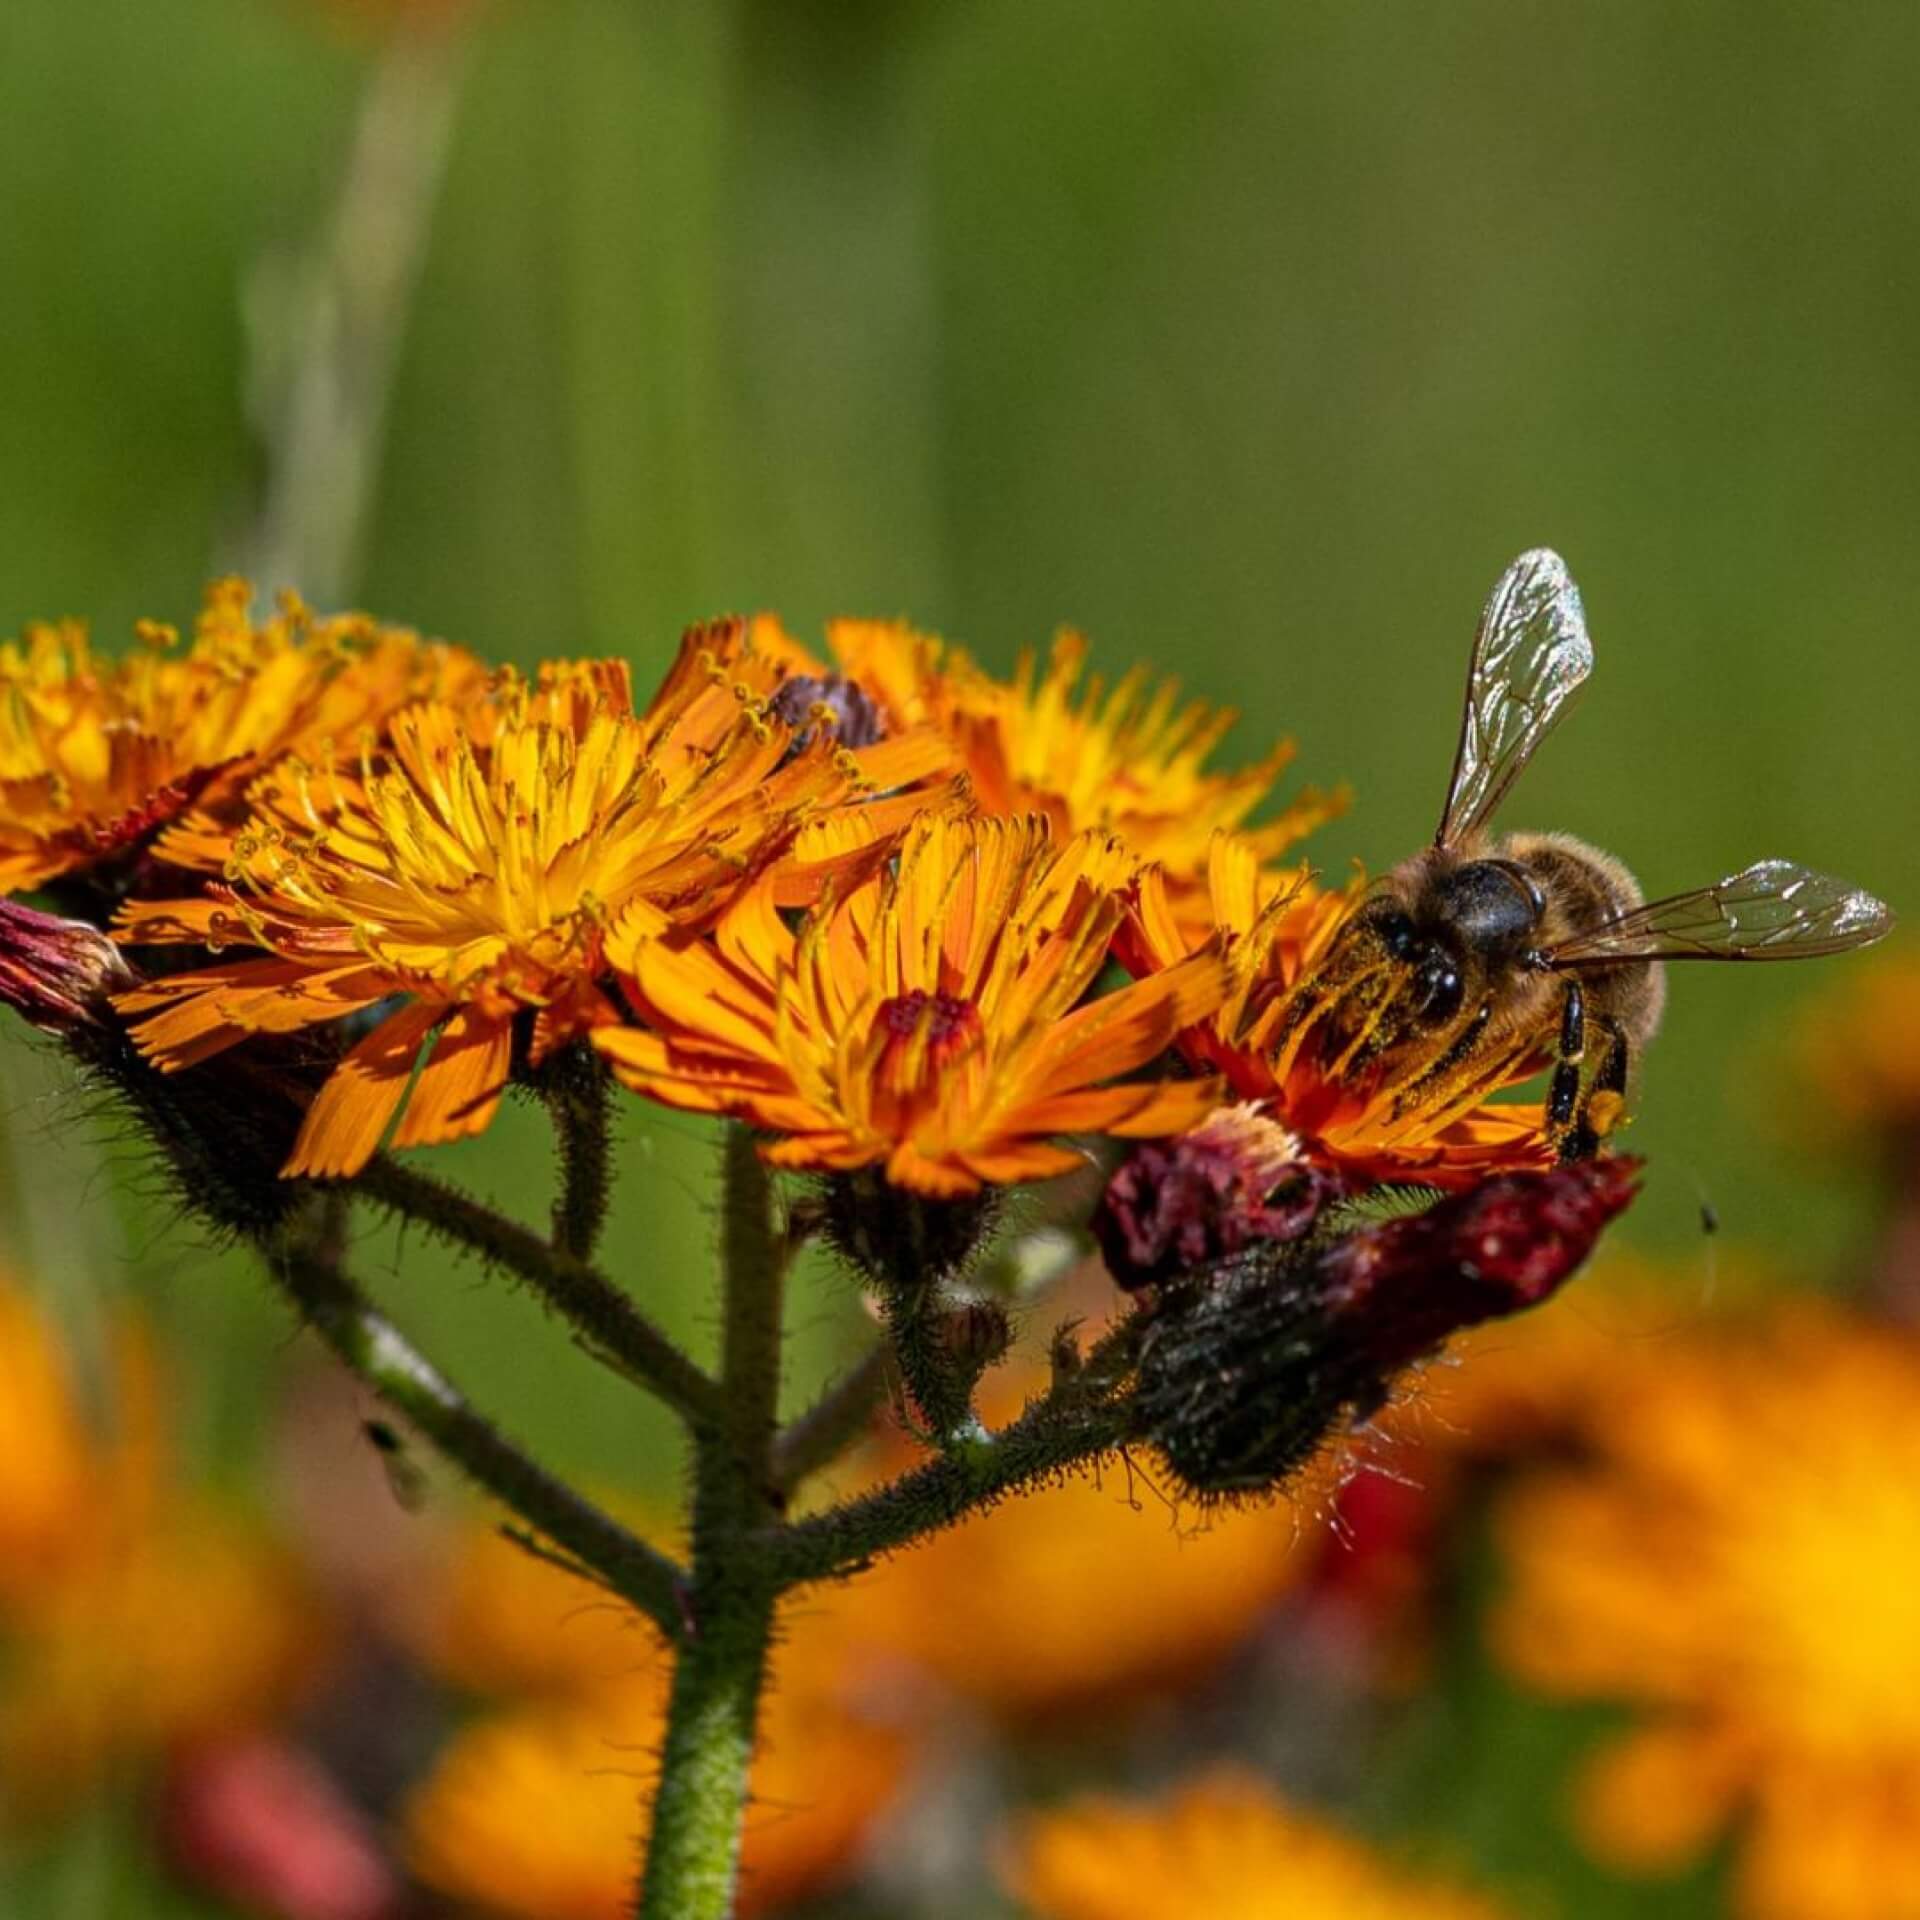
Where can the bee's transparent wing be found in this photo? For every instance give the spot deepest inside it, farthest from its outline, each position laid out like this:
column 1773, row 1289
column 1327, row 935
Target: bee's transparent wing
column 1529, row 660
column 1773, row 910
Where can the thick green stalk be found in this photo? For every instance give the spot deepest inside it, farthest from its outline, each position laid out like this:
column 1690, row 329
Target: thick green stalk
column 693, row 1850
column 1086, row 1416
column 693, row 1847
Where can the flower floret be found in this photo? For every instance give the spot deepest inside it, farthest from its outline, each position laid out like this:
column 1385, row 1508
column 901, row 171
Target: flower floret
column 933, row 1019
column 475, row 881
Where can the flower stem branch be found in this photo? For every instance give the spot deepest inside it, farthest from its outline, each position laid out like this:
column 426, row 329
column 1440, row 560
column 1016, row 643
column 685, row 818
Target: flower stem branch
column 1070, row 1427
column 374, row 1349
column 834, row 1422
column 610, row 1325
column 693, row 1850
column 575, row 1090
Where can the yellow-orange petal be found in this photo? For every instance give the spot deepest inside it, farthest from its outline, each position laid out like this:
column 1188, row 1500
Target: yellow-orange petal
column 1145, row 1110
column 459, row 1088
column 349, row 1118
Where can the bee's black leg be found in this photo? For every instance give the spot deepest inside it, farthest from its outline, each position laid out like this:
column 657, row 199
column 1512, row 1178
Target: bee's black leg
column 1610, row 1082
column 1563, row 1095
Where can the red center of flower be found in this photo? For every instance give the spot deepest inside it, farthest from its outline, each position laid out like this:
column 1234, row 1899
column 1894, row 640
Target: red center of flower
column 921, row 1035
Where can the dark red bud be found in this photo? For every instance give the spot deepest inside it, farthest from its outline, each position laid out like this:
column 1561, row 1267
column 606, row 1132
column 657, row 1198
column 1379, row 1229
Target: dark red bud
column 1245, row 1371
column 1399, row 1289
column 845, row 707
column 57, row 973
column 1176, row 1205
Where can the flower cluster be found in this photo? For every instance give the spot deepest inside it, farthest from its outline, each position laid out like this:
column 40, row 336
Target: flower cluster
column 868, row 903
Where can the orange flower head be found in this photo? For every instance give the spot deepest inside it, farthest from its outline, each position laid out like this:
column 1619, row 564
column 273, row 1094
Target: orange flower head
column 1224, row 1845
column 1128, row 759
column 477, row 870
column 1276, row 929
column 132, row 1617
column 197, row 1628
column 76, row 1480
column 933, row 1019
column 1858, row 1054
column 1736, row 1557
column 97, row 756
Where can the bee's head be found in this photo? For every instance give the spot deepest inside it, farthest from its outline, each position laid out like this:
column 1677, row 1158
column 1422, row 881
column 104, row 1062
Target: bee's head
column 1447, row 921
column 1433, row 960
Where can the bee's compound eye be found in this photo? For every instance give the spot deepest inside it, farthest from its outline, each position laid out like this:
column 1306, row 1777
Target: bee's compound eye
column 1395, row 931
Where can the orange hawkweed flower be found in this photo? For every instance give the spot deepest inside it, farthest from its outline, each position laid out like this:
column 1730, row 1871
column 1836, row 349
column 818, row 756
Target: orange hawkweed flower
column 476, row 868
column 1128, row 759
column 1735, row 1555
column 1224, row 1845
column 928, row 1019
column 1276, row 928
column 96, row 756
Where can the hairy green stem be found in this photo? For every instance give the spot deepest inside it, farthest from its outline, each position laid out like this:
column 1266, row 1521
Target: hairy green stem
column 375, row 1350
column 693, row 1850
column 575, row 1090
column 1065, row 1430
column 693, row 1846
column 753, row 1272
column 611, row 1327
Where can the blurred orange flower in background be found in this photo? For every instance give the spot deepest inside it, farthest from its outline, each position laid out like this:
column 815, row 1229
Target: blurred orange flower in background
column 1857, row 1049
column 1081, row 1598
column 1739, row 1558
column 1226, row 1847
column 135, row 1618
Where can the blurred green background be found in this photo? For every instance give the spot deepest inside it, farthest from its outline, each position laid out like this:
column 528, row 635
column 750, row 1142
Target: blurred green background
column 1253, row 339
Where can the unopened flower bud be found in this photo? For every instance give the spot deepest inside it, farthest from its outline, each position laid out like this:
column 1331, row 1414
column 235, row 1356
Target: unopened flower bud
column 57, row 973
column 1175, row 1205
column 1400, row 1289
column 898, row 1239
column 977, row 1335
column 1242, row 1377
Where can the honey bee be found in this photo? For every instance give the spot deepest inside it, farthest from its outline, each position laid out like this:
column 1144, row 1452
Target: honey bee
column 1484, row 956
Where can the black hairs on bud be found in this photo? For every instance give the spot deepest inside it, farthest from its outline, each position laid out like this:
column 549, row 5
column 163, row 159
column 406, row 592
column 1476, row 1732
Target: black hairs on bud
column 1242, row 1379
column 1248, row 1365
column 221, row 1131
column 894, row 1237
column 912, row 1250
